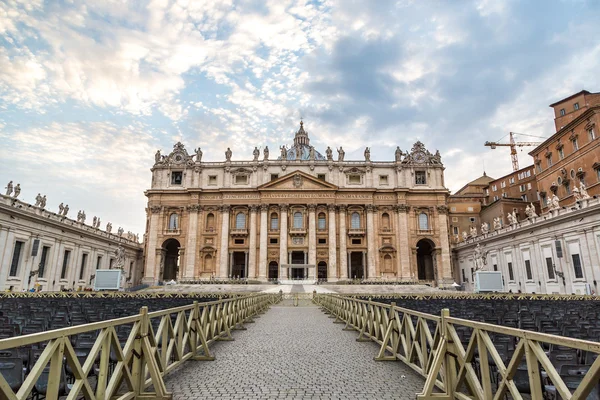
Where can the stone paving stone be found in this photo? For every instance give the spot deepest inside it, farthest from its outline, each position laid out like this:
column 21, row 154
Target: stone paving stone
column 294, row 353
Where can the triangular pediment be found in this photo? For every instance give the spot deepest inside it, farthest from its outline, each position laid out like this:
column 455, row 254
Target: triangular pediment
column 297, row 180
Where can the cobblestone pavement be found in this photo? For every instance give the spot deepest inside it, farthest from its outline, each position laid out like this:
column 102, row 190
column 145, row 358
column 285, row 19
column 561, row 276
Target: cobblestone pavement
column 294, row 353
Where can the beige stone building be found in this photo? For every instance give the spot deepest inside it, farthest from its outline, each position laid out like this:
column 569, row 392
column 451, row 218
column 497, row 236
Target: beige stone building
column 297, row 215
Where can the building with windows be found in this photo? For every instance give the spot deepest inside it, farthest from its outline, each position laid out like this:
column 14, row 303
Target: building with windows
column 465, row 206
column 48, row 251
column 298, row 215
column 571, row 156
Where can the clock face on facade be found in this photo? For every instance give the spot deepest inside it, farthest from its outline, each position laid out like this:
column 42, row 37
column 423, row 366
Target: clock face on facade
column 420, row 157
column 178, row 158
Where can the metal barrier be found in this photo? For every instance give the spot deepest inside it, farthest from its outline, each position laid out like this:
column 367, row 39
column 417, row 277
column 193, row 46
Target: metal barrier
column 183, row 333
column 458, row 372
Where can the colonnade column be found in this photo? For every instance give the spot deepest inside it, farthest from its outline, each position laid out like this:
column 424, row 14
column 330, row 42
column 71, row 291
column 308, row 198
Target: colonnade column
column 190, row 247
column 343, row 247
column 403, row 249
column 283, row 240
column 262, row 255
column 251, row 255
column 312, row 241
column 332, row 274
column 371, row 246
column 445, row 272
column 151, row 268
column 224, row 255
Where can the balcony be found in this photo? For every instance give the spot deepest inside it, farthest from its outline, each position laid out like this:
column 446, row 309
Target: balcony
column 356, row 232
column 172, row 232
column 239, row 232
column 298, row 231
column 425, row 232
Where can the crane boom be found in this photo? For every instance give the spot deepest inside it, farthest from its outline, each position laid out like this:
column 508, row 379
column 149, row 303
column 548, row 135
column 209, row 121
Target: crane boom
column 513, row 149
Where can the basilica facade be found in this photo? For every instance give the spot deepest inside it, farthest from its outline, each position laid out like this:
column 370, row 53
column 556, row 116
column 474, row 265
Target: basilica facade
column 297, row 214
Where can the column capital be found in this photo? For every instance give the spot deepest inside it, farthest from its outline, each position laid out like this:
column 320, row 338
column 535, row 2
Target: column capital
column 331, row 207
column 443, row 209
column 283, row 207
column 194, row 207
column 401, row 208
column 253, row 208
column 371, row 208
column 312, row 208
column 155, row 209
column 225, row 208
column 264, row 207
column 342, row 207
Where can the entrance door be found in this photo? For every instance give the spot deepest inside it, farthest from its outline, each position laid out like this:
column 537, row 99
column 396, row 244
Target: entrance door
column 425, row 249
column 297, row 273
column 322, row 267
column 171, row 267
column 238, row 269
column 357, row 270
column 298, row 258
column 273, row 270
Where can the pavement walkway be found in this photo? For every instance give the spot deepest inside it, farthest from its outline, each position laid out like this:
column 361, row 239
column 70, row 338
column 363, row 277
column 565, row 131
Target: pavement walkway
column 294, row 353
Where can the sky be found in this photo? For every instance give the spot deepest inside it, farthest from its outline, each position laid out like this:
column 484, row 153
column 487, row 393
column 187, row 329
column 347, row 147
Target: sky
column 90, row 90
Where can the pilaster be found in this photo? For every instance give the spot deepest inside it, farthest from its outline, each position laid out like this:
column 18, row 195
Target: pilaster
column 371, row 245
column 312, row 240
column 251, row 264
column 332, row 274
column 262, row 251
column 224, row 251
column 343, row 247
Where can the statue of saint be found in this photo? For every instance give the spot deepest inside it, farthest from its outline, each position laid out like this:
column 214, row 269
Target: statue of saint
column 465, row 236
column 66, row 210
column 157, row 158
column 9, row 188
column 198, row 154
column 17, row 190
column 43, row 202
column 497, row 223
column 576, row 194
column 108, row 227
column 554, row 202
column 532, row 211
column 437, row 158
column 341, row 154
column 255, row 153
column 228, row 154
column 94, row 221
column 485, row 228
column 120, row 231
column 398, row 154
column 98, row 223
column 120, row 261
column 266, row 153
column 283, row 152
column 38, row 200
column 60, row 208
column 83, row 216
column 367, row 154
column 515, row 218
column 511, row 221
column 473, row 232
column 329, row 153
column 479, row 258
column 583, row 191
column 311, row 153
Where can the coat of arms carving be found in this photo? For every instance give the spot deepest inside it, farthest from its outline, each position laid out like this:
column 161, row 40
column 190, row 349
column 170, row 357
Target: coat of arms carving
column 297, row 181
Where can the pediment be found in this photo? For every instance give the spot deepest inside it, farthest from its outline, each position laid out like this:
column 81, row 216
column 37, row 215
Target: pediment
column 297, row 180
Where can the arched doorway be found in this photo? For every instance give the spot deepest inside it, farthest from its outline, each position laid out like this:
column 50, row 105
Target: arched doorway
column 425, row 249
column 171, row 267
column 322, row 271
column 273, row 270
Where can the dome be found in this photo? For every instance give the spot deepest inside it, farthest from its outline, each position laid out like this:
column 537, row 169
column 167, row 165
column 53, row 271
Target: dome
column 300, row 150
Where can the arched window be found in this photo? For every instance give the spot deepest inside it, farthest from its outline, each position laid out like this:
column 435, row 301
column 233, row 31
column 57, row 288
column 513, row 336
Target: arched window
column 274, row 222
column 173, row 222
column 355, row 221
column 385, row 221
column 423, row 222
column 298, row 220
column 240, row 221
column 322, row 222
column 210, row 221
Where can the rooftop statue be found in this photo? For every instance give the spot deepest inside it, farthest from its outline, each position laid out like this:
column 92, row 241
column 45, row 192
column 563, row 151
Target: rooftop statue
column 485, row 228
column 66, row 210
column 43, row 202
column 311, row 153
column 583, row 191
column 283, row 152
column 198, row 154
column 266, row 153
column 38, row 200
column 398, row 154
column 157, row 158
column 228, row 154
column 367, row 154
column 17, row 190
column 329, row 153
column 341, row 154
column 9, row 188
column 255, row 153
column 497, row 223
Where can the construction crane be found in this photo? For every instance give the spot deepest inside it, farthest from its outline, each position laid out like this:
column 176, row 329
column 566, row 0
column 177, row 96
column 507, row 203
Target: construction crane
column 513, row 147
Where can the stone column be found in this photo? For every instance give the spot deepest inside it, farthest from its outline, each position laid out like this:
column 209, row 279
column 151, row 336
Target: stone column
column 332, row 274
column 283, row 239
column 403, row 248
column 444, row 269
column 192, row 236
column 152, row 267
column 251, row 264
column 312, row 240
column 371, row 245
column 343, row 249
column 224, row 250
column 262, row 251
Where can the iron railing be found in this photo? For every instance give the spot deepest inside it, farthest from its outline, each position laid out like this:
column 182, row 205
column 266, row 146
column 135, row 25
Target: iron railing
column 157, row 343
column 431, row 346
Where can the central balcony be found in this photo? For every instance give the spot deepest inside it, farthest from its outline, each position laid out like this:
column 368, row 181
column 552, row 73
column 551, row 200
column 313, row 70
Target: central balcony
column 356, row 232
column 239, row 232
column 298, row 232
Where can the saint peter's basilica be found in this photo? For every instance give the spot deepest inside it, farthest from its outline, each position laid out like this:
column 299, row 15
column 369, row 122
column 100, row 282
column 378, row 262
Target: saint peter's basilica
column 295, row 213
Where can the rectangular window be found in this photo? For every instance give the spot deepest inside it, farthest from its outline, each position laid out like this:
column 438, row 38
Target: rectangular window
column 522, row 188
column 65, row 264
column 529, row 186
column 550, row 267
column 562, row 112
column 420, row 178
column 212, row 179
column 524, row 197
column 503, row 184
column 111, row 263
column 43, row 260
column 321, row 176
column 539, row 167
column 241, row 179
column 383, row 179
column 455, row 230
column 322, row 241
column 274, row 176
column 577, row 266
column 176, row 177
column 239, row 241
column 511, row 275
column 495, row 267
column 273, row 241
column 494, row 188
column 528, row 270
column 576, row 106
column 591, row 134
column 16, row 258
column 598, row 174
column 549, row 160
column 356, row 241
column 496, row 198
column 83, row 264
column 354, row 179
column 561, row 153
column 511, row 180
column 98, row 262
column 575, row 144
column 463, row 275
column 470, row 209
